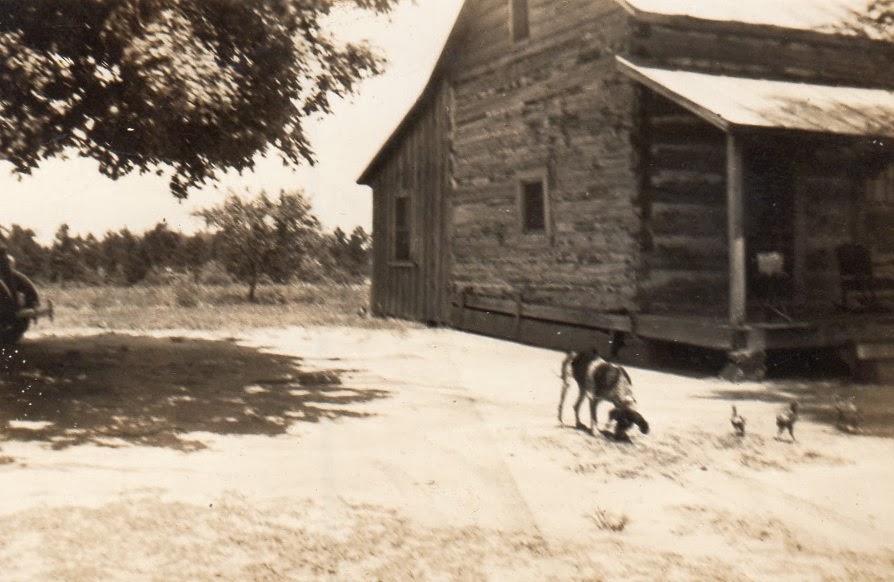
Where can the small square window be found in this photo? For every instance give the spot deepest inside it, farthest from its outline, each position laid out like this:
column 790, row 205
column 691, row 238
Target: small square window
column 518, row 14
column 533, row 206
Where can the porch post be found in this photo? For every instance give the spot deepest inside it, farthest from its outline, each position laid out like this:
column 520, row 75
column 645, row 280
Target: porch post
column 735, row 201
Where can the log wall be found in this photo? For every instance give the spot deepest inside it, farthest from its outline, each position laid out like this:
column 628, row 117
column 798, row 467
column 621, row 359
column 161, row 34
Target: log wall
column 825, row 218
column 841, row 199
column 685, row 264
column 877, row 224
column 763, row 52
column 556, row 105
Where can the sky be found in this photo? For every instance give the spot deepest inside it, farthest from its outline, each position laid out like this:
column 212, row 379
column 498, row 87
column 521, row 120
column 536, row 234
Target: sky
column 73, row 192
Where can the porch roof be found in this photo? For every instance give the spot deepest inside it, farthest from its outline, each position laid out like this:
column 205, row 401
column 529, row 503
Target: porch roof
column 729, row 102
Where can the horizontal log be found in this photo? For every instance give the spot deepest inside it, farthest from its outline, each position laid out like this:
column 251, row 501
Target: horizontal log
column 607, row 321
column 704, row 193
column 698, row 332
column 762, row 55
column 698, row 157
column 679, row 178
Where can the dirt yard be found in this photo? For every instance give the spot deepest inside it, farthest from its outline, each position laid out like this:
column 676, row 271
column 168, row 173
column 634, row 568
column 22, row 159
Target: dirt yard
column 340, row 454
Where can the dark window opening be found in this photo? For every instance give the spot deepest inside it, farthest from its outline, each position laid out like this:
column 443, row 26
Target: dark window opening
column 402, row 229
column 533, row 206
column 519, row 16
column 881, row 187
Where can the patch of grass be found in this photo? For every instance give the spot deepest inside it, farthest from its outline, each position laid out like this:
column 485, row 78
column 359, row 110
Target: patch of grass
column 608, row 521
column 182, row 304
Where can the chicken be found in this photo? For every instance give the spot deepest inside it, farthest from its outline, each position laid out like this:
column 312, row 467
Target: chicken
column 738, row 423
column 847, row 413
column 786, row 419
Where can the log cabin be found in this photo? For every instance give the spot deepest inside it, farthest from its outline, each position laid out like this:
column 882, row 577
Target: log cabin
column 708, row 173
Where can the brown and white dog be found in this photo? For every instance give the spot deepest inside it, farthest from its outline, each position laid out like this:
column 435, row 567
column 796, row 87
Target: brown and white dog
column 597, row 379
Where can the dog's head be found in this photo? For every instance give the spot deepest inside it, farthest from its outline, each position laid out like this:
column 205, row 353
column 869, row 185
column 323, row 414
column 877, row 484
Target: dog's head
column 625, row 397
column 626, row 416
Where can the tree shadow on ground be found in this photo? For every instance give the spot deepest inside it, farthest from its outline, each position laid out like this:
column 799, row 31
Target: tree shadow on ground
column 114, row 389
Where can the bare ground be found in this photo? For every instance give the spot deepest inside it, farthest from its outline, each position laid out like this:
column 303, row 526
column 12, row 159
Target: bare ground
column 345, row 454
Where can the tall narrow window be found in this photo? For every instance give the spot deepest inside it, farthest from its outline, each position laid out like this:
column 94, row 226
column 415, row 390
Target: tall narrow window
column 401, row 228
column 880, row 189
column 533, row 206
column 518, row 15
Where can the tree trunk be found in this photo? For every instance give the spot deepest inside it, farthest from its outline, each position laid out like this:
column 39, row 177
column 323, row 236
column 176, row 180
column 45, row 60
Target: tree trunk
column 252, row 285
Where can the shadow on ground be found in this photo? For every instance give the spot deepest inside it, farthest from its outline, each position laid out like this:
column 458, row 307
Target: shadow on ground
column 113, row 389
column 816, row 399
column 811, row 377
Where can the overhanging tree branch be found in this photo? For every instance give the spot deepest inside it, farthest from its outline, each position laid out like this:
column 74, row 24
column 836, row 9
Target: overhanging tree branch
column 200, row 86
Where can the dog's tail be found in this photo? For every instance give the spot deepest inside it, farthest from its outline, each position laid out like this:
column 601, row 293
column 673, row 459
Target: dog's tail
column 566, row 375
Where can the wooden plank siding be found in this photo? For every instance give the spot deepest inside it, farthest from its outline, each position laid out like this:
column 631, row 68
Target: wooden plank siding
column 554, row 104
column 417, row 169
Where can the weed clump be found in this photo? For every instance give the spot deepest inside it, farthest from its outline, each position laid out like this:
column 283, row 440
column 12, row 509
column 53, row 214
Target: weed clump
column 608, row 521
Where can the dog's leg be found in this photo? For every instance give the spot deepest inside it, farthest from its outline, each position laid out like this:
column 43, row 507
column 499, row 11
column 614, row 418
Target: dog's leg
column 594, row 402
column 565, row 387
column 791, row 431
column 566, row 384
column 580, row 400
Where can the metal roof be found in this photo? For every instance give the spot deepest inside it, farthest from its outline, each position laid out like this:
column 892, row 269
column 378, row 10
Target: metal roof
column 744, row 102
column 816, row 15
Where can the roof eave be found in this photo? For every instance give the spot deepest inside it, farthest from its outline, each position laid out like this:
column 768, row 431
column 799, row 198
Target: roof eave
column 437, row 71
column 630, row 70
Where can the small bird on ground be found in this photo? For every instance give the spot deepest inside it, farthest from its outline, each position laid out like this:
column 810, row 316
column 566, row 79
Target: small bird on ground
column 738, row 423
column 847, row 414
column 786, row 419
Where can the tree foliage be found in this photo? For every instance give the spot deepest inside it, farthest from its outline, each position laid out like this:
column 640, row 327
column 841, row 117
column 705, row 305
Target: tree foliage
column 198, row 86
column 263, row 236
column 876, row 21
column 162, row 255
column 65, row 259
column 21, row 243
column 350, row 254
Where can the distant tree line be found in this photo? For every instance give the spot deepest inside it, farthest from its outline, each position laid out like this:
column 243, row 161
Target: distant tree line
column 247, row 241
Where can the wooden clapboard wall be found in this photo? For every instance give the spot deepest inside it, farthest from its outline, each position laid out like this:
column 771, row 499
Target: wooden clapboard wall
column 415, row 168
